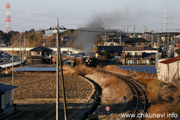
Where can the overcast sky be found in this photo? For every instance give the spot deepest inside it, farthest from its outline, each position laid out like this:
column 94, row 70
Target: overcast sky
column 42, row 14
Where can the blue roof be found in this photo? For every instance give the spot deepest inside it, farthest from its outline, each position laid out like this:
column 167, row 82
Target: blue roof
column 5, row 88
column 35, row 69
column 147, row 69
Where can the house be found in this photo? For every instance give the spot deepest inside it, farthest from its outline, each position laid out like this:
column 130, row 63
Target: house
column 112, row 42
column 40, row 55
column 138, row 55
column 169, row 70
column 132, row 55
column 113, row 50
column 136, row 42
column 6, row 100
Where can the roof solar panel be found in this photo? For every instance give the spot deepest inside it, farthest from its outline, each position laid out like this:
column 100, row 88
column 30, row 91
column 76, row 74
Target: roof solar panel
column 147, row 69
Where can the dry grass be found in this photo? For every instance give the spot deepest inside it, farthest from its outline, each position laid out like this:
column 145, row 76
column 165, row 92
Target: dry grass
column 164, row 98
column 142, row 77
column 78, row 70
column 113, row 88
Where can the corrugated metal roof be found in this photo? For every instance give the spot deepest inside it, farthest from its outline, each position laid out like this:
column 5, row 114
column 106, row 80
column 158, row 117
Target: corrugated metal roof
column 5, row 88
column 171, row 60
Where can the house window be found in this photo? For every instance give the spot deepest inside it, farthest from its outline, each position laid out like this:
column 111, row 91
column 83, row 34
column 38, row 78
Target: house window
column 147, row 62
column 138, row 62
column 137, row 53
column 129, row 62
column 37, row 52
column 129, row 53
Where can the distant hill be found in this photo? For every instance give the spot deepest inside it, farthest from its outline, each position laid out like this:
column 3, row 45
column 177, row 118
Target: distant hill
column 34, row 38
column 5, row 38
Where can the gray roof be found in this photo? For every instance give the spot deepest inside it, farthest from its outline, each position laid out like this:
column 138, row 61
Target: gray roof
column 5, row 88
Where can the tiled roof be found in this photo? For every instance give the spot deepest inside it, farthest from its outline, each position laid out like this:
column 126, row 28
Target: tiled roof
column 148, row 48
column 149, row 56
column 5, row 88
column 171, row 60
column 41, row 48
column 132, row 40
column 112, row 49
column 133, row 49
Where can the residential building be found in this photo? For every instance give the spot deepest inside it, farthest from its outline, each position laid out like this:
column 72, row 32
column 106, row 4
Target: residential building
column 113, row 42
column 138, row 55
column 136, row 42
column 6, row 99
column 40, row 55
column 113, row 50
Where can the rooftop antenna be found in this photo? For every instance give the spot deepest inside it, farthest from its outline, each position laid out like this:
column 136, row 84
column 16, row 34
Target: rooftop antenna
column 8, row 18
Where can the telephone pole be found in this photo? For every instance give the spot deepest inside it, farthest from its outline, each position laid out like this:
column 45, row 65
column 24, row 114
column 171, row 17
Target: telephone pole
column 20, row 51
column 59, row 64
column 57, row 72
column 134, row 29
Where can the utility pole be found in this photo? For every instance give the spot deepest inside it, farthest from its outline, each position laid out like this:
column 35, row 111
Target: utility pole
column 20, row 51
column 158, row 40
column 127, row 29
column 62, row 80
column 166, row 21
column 134, row 29
column 145, row 28
column 24, row 45
column 59, row 62
column 152, row 39
column 12, row 73
column 57, row 72
column 120, row 39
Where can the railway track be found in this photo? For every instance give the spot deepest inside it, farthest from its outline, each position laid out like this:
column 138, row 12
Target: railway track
column 139, row 97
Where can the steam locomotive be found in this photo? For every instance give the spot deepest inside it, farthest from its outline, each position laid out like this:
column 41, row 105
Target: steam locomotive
column 88, row 59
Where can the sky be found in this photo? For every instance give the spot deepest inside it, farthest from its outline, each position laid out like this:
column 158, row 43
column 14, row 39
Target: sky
column 110, row 14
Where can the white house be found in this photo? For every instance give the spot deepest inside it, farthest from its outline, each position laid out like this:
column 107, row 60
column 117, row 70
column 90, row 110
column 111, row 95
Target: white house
column 169, row 69
column 6, row 100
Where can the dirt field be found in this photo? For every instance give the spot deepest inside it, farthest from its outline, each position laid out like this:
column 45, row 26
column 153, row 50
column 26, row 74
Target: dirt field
column 35, row 95
column 44, row 86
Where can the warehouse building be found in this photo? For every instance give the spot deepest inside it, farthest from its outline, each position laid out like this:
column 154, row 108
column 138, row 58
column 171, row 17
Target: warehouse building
column 169, row 70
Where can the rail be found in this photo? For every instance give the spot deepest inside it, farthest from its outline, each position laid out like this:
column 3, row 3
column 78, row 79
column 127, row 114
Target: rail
column 138, row 92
